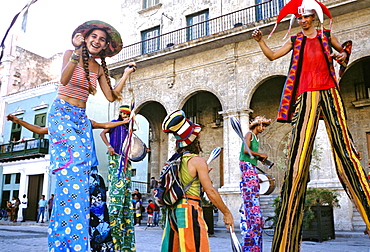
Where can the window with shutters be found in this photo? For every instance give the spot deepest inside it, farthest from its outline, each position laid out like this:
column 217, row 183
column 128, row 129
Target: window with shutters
column 40, row 120
column 197, row 25
column 151, row 40
column 149, row 3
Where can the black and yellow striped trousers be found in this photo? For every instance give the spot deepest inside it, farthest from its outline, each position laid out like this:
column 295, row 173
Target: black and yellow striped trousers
column 310, row 106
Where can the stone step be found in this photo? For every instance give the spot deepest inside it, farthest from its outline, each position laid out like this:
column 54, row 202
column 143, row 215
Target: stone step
column 357, row 221
column 266, row 203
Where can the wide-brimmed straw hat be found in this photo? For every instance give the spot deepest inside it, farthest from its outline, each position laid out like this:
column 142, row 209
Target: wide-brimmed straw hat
column 115, row 41
column 259, row 120
column 184, row 130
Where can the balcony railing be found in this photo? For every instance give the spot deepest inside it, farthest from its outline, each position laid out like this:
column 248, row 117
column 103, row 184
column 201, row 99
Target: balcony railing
column 141, row 186
column 242, row 17
column 24, row 150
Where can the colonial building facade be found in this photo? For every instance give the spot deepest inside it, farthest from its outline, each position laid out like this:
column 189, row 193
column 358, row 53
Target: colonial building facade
column 200, row 56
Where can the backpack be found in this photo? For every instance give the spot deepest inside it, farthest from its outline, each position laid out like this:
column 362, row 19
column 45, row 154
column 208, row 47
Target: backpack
column 170, row 190
column 149, row 209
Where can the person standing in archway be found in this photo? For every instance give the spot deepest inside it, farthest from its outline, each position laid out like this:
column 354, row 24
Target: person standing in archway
column 50, row 205
column 311, row 91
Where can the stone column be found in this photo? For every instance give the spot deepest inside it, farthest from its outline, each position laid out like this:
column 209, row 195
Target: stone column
column 230, row 191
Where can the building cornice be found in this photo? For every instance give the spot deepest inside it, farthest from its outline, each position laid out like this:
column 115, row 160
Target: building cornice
column 46, row 88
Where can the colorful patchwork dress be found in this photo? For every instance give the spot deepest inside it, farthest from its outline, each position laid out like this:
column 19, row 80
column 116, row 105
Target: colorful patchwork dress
column 185, row 228
column 120, row 200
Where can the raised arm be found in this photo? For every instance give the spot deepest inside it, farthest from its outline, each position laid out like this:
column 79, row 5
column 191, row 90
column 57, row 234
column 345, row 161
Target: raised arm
column 108, row 125
column 31, row 127
column 69, row 66
column 200, row 165
column 271, row 55
column 118, row 88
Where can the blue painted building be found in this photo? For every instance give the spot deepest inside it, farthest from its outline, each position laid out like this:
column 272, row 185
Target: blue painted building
column 24, row 158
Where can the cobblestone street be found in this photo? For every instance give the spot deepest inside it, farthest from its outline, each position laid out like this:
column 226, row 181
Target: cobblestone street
column 31, row 237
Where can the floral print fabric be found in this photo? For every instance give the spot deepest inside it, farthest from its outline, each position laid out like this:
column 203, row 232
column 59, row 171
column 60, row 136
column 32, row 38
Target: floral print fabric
column 251, row 222
column 71, row 148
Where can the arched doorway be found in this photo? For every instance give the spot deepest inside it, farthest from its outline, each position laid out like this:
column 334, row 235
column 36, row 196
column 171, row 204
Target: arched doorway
column 273, row 141
column 203, row 107
column 154, row 113
column 355, row 91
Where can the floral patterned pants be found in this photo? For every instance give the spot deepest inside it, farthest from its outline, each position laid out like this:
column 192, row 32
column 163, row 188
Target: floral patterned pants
column 251, row 222
column 71, row 150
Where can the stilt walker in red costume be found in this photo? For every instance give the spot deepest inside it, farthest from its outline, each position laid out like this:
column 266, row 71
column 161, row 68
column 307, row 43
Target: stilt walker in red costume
column 310, row 92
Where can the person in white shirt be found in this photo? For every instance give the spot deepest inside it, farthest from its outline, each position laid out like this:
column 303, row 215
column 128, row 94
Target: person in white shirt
column 23, row 206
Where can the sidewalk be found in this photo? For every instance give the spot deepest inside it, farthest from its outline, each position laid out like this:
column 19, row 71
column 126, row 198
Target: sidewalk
column 345, row 234
column 26, row 223
column 21, row 236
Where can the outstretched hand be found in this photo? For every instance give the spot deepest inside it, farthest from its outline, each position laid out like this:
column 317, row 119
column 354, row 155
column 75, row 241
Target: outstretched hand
column 257, row 35
column 12, row 118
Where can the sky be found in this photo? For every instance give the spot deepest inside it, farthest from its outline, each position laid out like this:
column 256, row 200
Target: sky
column 50, row 23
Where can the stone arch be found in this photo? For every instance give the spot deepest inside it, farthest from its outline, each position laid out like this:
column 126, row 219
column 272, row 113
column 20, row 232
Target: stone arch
column 155, row 112
column 202, row 107
column 272, row 85
column 355, row 90
column 264, row 99
column 192, row 91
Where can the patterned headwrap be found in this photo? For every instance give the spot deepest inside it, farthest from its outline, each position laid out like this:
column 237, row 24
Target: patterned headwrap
column 184, row 130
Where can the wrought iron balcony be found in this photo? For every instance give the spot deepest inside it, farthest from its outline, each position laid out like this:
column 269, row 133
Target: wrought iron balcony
column 213, row 26
column 21, row 150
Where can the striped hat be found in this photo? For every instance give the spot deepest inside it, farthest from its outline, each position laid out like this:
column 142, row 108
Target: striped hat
column 125, row 109
column 184, row 130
